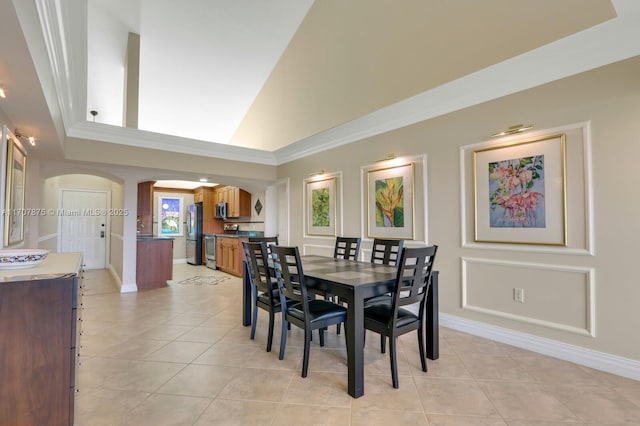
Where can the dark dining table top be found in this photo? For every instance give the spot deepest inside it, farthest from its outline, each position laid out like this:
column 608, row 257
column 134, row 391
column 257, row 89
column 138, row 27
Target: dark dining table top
column 347, row 271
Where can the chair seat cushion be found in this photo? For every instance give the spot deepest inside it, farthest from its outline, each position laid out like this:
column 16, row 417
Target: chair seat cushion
column 264, row 298
column 382, row 313
column 383, row 298
column 319, row 310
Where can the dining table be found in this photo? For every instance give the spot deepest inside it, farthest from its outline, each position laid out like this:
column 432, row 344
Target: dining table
column 355, row 281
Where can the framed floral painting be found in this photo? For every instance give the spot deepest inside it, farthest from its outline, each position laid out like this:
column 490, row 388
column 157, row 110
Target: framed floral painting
column 321, row 206
column 519, row 192
column 390, row 202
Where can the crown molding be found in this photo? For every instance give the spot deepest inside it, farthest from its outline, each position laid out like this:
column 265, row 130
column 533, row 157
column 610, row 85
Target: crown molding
column 101, row 132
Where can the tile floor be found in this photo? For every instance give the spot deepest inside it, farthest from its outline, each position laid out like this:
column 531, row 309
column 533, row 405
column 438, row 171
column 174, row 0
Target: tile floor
column 180, row 356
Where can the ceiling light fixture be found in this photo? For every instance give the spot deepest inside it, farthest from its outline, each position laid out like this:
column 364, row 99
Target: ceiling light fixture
column 30, row 139
column 513, row 129
column 390, row 156
column 3, row 94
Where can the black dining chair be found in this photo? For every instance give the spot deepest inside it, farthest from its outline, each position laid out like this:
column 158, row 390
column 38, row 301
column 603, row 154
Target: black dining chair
column 391, row 318
column 264, row 286
column 385, row 251
column 268, row 240
column 347, row 248
column 308, row 313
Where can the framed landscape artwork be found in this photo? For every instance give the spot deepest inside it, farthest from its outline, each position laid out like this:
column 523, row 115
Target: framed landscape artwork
column 170, row 216
column 321, row 207
column 390, row 202
column 519, row 192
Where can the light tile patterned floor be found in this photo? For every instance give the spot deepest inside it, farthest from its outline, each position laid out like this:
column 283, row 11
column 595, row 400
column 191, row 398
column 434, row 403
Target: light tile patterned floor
column 180, row 356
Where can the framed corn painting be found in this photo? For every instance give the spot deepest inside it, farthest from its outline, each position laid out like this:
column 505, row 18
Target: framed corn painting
column 390, row 202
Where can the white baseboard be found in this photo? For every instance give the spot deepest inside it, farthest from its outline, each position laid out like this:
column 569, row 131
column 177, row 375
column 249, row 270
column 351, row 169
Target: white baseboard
column 177, row 261
column 614, row 364
column 124, row 288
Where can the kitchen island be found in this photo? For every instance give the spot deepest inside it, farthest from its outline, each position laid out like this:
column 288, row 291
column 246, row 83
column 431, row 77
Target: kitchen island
column 154, row 261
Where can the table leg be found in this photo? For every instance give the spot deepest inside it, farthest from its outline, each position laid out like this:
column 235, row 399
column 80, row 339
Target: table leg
column 355, row 346
column 433, row 334
column 246, row 296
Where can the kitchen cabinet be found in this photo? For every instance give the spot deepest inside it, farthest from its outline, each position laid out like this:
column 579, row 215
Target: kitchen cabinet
column 145, row 207
column 154, row 262
column 238, row 201
column 198, row 195
column 40, row 317
column 206, row 196
column 230, row 255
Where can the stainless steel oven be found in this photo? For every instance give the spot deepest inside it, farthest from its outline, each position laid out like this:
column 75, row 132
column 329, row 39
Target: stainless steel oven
column 210, row 251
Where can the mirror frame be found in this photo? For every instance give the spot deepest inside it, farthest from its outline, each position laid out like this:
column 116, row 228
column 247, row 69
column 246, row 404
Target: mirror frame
column 14, row 192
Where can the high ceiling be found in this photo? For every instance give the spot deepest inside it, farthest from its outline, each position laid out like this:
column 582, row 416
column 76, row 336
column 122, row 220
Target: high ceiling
column 273, row 81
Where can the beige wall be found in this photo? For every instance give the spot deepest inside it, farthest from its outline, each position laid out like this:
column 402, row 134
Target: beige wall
column 584, row 294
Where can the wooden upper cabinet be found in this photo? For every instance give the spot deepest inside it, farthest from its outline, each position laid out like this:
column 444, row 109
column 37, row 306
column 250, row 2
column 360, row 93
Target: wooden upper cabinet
column 198, row 195
column 238, row 201
column 145, row 207
column 145, row 198
column 206, row 196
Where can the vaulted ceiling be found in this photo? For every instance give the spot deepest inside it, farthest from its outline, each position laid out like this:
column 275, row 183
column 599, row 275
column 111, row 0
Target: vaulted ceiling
column 298, row 80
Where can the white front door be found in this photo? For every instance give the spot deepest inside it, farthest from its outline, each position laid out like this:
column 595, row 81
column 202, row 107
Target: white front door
column 83, row 225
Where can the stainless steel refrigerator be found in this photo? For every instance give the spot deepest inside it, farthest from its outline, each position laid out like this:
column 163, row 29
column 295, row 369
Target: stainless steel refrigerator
column 194, row 234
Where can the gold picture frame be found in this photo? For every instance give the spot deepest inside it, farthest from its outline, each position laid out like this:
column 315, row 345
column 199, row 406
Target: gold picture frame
column 321, row 197
column 520, row 192
column 390, row 203
column 16, row 179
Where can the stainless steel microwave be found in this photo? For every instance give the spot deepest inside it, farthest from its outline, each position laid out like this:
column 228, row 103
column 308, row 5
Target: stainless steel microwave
column 221, row 210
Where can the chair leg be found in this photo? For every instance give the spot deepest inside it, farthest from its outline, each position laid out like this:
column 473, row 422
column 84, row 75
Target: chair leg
column 270, row 336
column 321, row 331
column 338, row 328
column 383, row 343
column 305, row 357
column 423, row 359
column 283, row 339
column 394, row 361
column 254, row 299
column 255, row 320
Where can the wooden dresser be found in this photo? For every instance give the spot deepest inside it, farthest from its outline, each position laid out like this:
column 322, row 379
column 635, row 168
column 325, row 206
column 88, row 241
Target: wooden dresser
column 40, row 321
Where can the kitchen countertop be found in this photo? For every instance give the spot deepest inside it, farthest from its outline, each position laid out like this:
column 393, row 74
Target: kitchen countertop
column 241, row 234
column 53, row 264
column 151, row 237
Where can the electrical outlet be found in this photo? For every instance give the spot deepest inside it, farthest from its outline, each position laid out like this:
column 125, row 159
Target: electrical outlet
column 518, row 295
